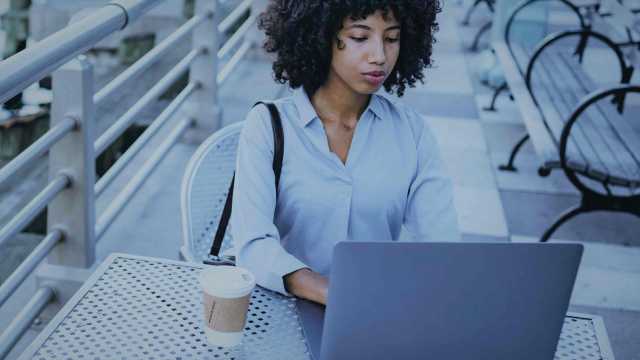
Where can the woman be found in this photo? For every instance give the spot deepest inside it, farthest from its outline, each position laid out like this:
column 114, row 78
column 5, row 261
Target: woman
column 356, row 165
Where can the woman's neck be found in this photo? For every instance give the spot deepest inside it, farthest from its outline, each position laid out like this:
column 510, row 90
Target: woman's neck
column 339, row 104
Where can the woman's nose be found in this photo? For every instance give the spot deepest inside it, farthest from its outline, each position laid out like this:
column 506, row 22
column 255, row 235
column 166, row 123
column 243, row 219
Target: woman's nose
column 376, row 53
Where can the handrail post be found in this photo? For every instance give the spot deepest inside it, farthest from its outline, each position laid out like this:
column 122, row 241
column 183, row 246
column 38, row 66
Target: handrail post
column 203, row 106
column 73, row 210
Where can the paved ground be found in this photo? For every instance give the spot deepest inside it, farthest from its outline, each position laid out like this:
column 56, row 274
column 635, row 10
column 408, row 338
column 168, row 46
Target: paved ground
column 608, row 282
column 492, row 205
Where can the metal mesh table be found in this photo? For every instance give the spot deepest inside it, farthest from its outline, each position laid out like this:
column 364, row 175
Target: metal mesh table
column 583, row 337
column 146, row 308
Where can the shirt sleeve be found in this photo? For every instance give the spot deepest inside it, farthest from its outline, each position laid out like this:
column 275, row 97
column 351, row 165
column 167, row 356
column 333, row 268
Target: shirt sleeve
column 430, row 214
column 254, row 234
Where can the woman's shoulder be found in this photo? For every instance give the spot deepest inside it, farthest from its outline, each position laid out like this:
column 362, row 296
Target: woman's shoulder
column 259, row 112
column 402, row 114
column 259, row 109
column 257, row 124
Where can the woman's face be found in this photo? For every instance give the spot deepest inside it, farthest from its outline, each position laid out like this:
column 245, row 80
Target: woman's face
column 366, row 52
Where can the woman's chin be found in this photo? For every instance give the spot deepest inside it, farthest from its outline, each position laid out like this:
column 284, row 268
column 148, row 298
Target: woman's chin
column 368, row 89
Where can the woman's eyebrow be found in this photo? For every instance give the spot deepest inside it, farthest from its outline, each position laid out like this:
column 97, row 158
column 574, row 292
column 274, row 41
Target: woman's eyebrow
column 365, row 27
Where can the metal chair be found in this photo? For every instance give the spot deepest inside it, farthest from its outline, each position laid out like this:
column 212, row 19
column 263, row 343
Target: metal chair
column 204, row 190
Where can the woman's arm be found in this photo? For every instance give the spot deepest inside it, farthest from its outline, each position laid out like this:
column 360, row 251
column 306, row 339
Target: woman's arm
column 255, row 236
column 306, row 284
column 430, row 214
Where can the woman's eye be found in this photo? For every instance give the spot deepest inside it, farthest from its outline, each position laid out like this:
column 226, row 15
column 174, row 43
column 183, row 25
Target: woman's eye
column 363, row 39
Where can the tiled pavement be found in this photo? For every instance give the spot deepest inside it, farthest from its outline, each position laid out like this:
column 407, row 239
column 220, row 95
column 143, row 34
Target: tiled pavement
column 518, row 206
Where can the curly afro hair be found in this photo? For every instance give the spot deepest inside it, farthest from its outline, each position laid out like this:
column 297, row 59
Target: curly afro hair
column 301, row 34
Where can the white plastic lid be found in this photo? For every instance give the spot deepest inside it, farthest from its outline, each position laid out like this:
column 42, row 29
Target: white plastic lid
column 227, row 281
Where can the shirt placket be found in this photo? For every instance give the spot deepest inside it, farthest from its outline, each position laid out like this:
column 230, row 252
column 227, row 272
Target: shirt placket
column 344, row 185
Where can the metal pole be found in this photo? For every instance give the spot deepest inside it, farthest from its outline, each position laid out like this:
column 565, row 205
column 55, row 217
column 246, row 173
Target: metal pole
column 115, row 207
column 24, row 319
column 73, row 210
column 16, row 25
column 238, row 36
column 34, row 207
column 38, row 148
column 203, row 106
column 143, row 140
column 124, row 122
column 256, row 35
column 233, row 62
column 232, row 18
column 28, row 265
column 147, row 60
column 39, row 60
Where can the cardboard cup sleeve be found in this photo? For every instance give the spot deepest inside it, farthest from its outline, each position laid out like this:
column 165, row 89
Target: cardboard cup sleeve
column 226, row 315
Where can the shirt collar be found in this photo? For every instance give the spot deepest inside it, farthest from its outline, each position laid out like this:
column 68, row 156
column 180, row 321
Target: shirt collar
column 307, row 113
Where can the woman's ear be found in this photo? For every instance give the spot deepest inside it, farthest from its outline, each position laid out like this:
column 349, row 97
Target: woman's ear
column 339, row 43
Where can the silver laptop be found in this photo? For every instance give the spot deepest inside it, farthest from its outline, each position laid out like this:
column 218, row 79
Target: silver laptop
column 393, row 300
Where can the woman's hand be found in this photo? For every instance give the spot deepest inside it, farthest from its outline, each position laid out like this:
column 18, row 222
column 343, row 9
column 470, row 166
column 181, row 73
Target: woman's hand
column 307, row 284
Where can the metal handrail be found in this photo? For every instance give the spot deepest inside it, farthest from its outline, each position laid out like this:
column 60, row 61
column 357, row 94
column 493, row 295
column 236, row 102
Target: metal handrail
column 237, row 36
column 143, row 139
column 115, row 207
column 29, row 264
column 233, row 62
column 35, row 206
column 148, row 59
column 24, row 319
column 37, row 149
column 48, row 55
column 234, row 16
column 121, row 125
column 39, row 60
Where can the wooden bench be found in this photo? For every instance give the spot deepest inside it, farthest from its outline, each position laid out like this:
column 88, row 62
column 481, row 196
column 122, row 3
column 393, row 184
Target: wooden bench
column 574, row 124
column 583, row 11
column 623, row 22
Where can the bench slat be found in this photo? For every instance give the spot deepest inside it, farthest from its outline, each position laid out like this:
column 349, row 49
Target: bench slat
column 533, row 121
column 592, row 138
column 622, row 140
column 553, row 110
column 620, row 124
column 624, row 129
column 605, row 163
column 621, row 18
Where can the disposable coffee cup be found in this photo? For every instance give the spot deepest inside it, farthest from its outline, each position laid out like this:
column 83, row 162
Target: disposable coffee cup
column 226, row 295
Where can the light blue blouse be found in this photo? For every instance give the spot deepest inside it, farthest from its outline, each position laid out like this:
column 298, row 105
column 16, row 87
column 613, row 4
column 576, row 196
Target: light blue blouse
column 393, row 175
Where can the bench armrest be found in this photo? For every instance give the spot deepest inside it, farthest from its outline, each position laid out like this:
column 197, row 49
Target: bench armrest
column 583, row 35
column 523, row 5
column 583, row 105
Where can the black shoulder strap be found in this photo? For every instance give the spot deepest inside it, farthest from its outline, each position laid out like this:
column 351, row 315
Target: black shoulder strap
column 278, row 155
column 278, row 141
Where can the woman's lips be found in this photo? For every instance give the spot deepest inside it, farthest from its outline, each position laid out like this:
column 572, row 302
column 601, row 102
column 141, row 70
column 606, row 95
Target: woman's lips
column 375, row 78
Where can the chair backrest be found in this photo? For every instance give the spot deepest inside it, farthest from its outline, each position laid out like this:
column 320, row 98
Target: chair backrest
column 205, row 186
